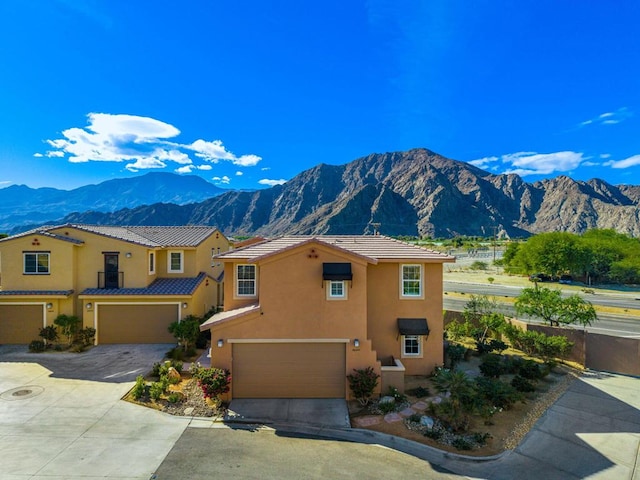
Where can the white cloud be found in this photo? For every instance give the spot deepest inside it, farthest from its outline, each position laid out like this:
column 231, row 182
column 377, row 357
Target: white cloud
column 185, row 169
column 204, row 167
column 239, row 173
column 6, row 182
column 142, row 142
column 38, row 155
column 633, row 161
column 264, row 169
column 271, row 183
column 590, row 164
column 609, row 118
column 532, row 163
column 223, row 179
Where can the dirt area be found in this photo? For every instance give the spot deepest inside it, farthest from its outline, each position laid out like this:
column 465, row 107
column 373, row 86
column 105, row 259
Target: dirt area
column 508, row 426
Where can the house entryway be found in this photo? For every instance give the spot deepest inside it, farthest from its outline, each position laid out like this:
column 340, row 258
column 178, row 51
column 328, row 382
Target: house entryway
column 325, row 412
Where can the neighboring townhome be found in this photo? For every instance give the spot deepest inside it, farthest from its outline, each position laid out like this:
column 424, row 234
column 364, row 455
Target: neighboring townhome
column 300, row 313
column 129, row 283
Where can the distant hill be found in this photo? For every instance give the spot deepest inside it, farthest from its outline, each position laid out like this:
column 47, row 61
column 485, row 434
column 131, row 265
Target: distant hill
column 21, row 205
column 417, row 192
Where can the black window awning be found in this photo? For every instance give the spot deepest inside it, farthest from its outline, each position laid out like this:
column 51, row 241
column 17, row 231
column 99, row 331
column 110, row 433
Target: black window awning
column 336, row 271
column 413, row 326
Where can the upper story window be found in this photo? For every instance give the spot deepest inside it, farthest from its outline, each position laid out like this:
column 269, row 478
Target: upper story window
column 246, row 280
column 411, row 281
column 152, row 263
column 36, row 263
column 336, row 290
column 175, row 261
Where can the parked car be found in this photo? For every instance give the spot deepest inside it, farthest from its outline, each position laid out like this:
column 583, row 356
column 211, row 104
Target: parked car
column 539, row 277
column 566, row 279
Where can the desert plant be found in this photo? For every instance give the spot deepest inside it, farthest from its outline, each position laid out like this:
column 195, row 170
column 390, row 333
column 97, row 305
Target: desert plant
column 86, row 336
column 387, row 407
column 492, row 365
column 37, row 346
column 140, row 388
column 156, row 390
column 419, row 392
column 398, row 397
column 362, row 383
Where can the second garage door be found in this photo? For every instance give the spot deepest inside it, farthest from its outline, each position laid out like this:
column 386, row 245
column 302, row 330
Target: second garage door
column 20, row 323
column 288, row 370
column 136, row 323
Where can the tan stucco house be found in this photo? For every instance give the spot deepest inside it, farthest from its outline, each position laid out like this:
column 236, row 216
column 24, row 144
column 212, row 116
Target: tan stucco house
column 301, row 312
column 129, row 283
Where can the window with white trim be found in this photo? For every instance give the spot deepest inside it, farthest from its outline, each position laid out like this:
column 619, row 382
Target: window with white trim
column 411, row 281
column 36, row 263
column 411, row 345
column 175, row 261
column 152, row 263
column 336, row 290
column 245, row 280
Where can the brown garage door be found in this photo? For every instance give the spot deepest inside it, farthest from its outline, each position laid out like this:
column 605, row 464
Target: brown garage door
column 288, row 370
column 20, row 323
column 136, row 323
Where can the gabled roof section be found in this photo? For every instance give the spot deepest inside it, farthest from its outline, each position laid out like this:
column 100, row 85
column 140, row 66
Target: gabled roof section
column 45, row 231
column 229, row 315
column 161, row 286
column 152, row 237
column 371, row 247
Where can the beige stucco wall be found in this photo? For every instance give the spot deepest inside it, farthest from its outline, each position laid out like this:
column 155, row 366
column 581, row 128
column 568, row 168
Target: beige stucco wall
column 385, row 306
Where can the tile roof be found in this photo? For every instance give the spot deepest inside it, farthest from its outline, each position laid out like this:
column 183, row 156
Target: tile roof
column 65, row 293
column 228, row 315
column 161, row 286
column 376, row 247
column 171, row 236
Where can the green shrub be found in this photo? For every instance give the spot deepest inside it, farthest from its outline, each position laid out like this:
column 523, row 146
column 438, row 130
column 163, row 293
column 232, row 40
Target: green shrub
column 86, row 336
column 530, row 370
column 496, row 393
column 455, row 354
column 434, row 434
column 37, row 346
column 174, row 397
column 462, row 443
column 156, row 390
column 69, row 324
column 419, row 392
column 457, row 331
column 387, row 407
column 398, row 397
column 49, row 333
column 481, row 438
column 521, row 384
column 139, row 390
column 415, row 418
column 362, row 383
column 186, row 331
column 492, row 365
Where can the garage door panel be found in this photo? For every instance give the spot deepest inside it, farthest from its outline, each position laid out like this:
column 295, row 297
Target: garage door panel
column 20, row 324
column 136, row 323
column 289, row 370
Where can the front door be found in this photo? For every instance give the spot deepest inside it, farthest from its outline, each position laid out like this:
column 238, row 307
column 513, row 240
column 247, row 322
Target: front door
column 111, row 270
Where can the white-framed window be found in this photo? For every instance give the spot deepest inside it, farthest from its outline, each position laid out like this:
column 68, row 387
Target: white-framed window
column 152, row 263
column 36, row 263
column 245, row 280
column 412, row 346
column 336, row 290
column 175, row 261
column 411, row 281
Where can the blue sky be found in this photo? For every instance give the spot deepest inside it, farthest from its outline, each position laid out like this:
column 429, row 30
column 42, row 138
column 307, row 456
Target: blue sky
column 247, row 94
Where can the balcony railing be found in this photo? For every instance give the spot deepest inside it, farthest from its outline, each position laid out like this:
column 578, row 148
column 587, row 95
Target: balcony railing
column 108, row 280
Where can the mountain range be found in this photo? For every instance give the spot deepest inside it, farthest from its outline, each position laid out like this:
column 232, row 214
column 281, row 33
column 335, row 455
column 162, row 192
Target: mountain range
column 416, row 192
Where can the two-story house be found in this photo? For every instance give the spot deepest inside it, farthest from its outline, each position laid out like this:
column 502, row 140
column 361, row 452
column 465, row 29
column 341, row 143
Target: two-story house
column 129, row 283
column 300, row 313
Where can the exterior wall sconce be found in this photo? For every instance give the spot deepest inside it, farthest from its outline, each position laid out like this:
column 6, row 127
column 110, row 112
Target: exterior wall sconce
column 356, row 343
column 89, row 306
column 128, row 254
column 220, row 343
column 49, row 306
column 184, row 305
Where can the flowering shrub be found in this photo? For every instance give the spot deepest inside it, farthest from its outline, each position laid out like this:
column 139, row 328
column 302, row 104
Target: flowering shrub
column 213, row 381
column 362, row 383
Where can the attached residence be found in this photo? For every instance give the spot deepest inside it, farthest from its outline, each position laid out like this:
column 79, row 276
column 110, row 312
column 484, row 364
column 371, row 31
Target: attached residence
column 300, row 313
column 129, row 283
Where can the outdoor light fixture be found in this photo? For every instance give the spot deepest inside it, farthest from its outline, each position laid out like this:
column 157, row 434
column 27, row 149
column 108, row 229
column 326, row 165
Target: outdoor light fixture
column 49, row 306
column 356, row 343
column 220, row 343
column 184, row 305
column 89, row 305
column 128, row 255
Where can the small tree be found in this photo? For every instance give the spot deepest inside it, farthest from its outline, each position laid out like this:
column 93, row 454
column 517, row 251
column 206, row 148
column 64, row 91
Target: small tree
column 186, row 331
column 69, row 324
column 549, row 305
column 362, row 383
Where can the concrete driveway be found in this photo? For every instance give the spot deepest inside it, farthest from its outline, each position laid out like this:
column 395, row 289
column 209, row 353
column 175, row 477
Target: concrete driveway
column 61, row 416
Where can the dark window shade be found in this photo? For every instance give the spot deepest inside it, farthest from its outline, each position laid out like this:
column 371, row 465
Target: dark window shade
column 336, row 271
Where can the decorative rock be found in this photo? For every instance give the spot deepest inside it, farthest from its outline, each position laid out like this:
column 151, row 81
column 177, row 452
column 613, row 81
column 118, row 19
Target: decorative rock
column 437, row 400
column 407, row 412
column 387, row 399
column 392, row 417
column 173, row 375
column 188, row 411
column 419, row 405
column 427, row 422
column 367, row 420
